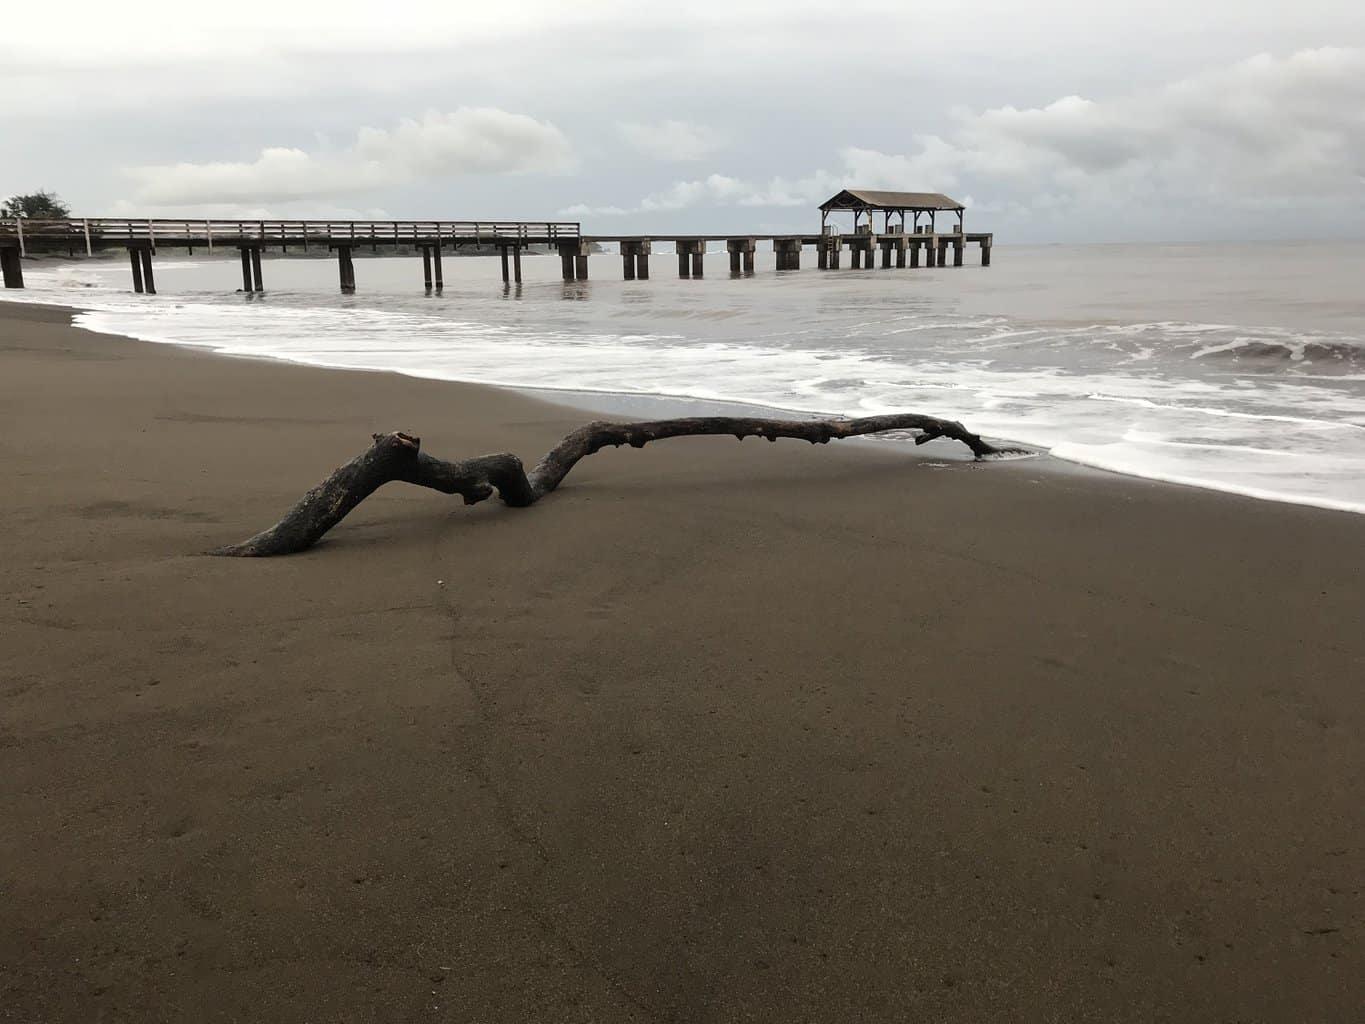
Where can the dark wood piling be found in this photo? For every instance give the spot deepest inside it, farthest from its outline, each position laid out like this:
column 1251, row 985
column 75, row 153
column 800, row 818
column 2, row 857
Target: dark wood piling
column 136, row 260
column 148, row 281
column 426, row 268
column 436, row 265
column 635, row 258
column 516, row 264
column 12, row 266
column 347, row 269
column 506, row 274
column 259, row 283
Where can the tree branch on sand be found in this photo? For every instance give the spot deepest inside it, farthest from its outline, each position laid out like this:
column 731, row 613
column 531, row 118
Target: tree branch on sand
column 398, row 457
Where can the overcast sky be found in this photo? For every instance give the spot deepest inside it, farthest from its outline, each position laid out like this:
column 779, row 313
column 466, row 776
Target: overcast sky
column 1054, row 121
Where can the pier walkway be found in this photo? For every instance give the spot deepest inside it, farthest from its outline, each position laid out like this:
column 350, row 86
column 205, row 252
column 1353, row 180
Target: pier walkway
column 142, row 238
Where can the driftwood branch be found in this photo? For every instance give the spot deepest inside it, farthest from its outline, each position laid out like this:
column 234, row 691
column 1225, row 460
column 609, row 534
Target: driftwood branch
column 398, row 457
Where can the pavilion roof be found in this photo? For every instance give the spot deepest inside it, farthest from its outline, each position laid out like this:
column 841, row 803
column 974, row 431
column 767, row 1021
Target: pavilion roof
column 876, row 199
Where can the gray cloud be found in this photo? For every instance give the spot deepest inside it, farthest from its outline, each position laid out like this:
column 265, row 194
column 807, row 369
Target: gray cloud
column 670, row 140
column 470, row 140
column 1262, row 131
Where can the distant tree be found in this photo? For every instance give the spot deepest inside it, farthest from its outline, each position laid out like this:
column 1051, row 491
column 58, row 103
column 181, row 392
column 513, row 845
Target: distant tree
column 35, row 206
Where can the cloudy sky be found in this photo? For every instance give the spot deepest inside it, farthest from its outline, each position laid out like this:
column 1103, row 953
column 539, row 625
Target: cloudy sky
column 1054, row 120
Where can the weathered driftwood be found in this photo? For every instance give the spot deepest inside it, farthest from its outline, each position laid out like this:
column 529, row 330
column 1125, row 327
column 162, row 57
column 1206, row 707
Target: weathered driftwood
column 398, row 457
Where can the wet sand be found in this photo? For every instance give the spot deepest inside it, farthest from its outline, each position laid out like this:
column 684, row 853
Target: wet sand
column 717, row 732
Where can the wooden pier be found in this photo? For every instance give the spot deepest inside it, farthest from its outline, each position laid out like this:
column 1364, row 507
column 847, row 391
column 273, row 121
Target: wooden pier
column 899, row 241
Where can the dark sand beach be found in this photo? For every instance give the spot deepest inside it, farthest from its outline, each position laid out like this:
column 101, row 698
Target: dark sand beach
column 717, row 732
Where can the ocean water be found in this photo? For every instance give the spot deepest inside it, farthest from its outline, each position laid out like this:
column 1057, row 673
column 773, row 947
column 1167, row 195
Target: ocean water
column 1234, row 367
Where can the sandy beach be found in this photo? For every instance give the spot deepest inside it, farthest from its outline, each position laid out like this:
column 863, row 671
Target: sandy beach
column 716, row 732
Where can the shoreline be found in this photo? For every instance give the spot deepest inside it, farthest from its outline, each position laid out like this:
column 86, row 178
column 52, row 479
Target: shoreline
column 659, row 405
column 717, row 731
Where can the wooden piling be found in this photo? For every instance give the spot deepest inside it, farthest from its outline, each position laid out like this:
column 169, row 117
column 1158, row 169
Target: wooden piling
column 900, row 256
column 12, row 266
column 136, row 260
column 566, row 262
column 914, row 254
column 627, row 264
column 436, row 264
column 697, row 255
column 985, row 254
column 506, row 275
column 749, row 260
column 516, row 264
column 246, row 268
column 684, row 261
column 886, row 256
column 148, row 281
column 347, row 269
column 256, row 267
column 581, row 266
column 426, row 268
column 958, row 246
column 734, row 262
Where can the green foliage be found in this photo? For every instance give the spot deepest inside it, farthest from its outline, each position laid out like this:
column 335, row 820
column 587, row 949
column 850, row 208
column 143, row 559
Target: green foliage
column 35, row 206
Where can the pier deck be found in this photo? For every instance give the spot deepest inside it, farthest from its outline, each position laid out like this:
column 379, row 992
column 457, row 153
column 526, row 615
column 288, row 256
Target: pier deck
column 143, row 237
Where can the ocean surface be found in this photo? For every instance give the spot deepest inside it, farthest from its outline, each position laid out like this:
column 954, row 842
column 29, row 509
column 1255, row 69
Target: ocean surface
column 1234, row 367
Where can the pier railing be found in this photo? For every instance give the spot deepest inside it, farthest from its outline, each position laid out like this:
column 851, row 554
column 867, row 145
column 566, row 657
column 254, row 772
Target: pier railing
column 105, row 232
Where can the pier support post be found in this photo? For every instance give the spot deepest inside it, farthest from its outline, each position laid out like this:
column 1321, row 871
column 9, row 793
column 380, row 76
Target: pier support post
column 635, row 259
column 426, row 268
column 788, row 253
column 436, row 263
column 148, row 281
column 914, row 254
column 900, row 255
column 985, row 253
column 12, row 267
column 855, row 257
column 136, row 261
column 246, row 269
column 516, row 263
column 958, row 246
column 691, row 253
column 256, row 267
column 741, row 255
column 506, row 276
column 822, row 256
column 573, row 260
column 930, row 248
column 347, row 269
column 942, row 252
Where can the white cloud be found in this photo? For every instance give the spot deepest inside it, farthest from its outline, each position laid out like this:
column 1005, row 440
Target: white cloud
column 670, row 140
column 470, row 140
column 1262, row 133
